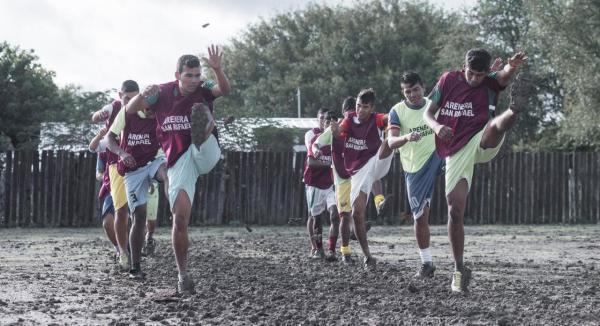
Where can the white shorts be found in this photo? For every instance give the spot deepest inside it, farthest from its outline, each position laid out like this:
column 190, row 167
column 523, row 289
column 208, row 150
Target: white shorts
column 319, row 200
column 137, row 183
column 362, row 180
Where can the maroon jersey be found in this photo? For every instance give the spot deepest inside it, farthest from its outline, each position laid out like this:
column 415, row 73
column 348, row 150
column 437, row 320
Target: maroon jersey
column 463, row 108
column 361, row 140
column 319, row 177
column 139, row 140
column 337, row 156
column 173, row 111
column 112, row 158
column 105, row 188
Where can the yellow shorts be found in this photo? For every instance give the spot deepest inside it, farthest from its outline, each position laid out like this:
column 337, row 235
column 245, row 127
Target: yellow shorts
column 342, row 194
column 460, row 165
column 117, row 187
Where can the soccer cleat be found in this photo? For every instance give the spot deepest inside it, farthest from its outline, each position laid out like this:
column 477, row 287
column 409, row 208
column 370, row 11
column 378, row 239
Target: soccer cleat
column 186, row 286
column 149, row 247
column 347, row 260
column 369, row 262
column 427, row 270
column 203, row 123
column 330, row 256
column 124, row 263
column 137, row 274
column 318, row 254
column 382, row 207
column 460, row 280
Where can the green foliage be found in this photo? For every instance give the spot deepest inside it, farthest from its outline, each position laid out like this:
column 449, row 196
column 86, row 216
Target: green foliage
column 277, row 139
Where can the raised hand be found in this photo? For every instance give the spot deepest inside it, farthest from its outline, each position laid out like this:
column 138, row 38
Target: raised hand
column 518, row 59
column 496, row 65
column 214, row 57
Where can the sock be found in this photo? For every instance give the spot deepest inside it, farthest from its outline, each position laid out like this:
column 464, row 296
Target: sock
column 459, row 265
column 332, row 241
column 346, row 251
column 182, row 276
column 425, row 255
column 378, row 199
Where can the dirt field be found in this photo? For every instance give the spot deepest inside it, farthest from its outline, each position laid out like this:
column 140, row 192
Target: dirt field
column 522, row 275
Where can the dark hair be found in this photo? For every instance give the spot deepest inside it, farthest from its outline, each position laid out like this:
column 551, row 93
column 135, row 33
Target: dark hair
column 367, row 96
column 322, row 111
column 130, row 86
column 411, row 78
column 188, row 60
column 348, row 104
column 478, row 59
column 331, row 115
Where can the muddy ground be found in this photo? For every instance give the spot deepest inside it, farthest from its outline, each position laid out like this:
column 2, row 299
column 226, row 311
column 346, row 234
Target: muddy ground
column 522, row 275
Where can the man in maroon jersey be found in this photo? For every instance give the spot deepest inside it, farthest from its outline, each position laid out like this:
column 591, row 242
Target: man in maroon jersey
column 469, row 132
column 364, row 158
column 183, row 110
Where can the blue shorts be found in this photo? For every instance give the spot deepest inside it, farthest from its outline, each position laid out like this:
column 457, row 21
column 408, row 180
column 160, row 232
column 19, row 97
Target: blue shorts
column 420, row 185
column 107, row 207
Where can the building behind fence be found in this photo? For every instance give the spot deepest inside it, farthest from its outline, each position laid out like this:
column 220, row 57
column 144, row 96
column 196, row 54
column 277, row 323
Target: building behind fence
column 58, row 189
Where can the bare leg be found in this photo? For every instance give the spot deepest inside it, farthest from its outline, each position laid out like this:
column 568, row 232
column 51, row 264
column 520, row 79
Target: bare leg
column 457, row 200
column 108, row 223
column 358, row 215
column 136, row 235
column 496, row 128
column 334, row 220
column 377, row 189
column 181, row 218
column 311, row 234
column 121, row 228
column 345, row 221
column 150, row 227
column 422, row 229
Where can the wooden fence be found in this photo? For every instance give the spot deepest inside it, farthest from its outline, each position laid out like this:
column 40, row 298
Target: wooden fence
column 58, row 189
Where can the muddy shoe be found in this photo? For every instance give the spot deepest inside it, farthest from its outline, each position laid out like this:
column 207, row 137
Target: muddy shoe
column 137, row 274
column 318, row 254
column 426, row 271
column 382, row 208
column 149, row 247
column 186, row 286
column 519, row 93
column 330, row 256
column 347, row 260
column 124, row 263
column 203, row 123
column 369, row 263
column 460, row 280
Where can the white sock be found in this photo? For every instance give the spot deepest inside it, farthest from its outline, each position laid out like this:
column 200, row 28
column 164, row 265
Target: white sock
column 425, row 255
column 182, row 276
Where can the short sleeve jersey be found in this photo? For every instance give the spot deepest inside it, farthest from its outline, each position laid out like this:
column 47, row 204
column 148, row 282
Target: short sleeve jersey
column 361, row 139
column 463, row 108
column 337, row 153
column 413, row 155
column 173, row 112
column 319, row 177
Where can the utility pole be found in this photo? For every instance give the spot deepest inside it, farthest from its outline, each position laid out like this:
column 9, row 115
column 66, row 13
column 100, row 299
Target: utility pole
column 299, row 105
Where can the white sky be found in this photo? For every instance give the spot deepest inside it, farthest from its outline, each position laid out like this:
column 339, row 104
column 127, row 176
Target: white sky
column 99, row 43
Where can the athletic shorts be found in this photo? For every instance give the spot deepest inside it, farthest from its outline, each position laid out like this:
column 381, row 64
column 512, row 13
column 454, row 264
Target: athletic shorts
column 107, row 207
column 342, row 194
column 319, row 200
column 117, row 187
column 138, row 182
column 193, row 163
column 420, row 184
column 460, row 165
column 152, row 204
column 362, row 180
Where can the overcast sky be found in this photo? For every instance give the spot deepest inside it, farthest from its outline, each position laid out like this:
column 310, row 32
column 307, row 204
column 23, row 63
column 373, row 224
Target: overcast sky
column 99, row 43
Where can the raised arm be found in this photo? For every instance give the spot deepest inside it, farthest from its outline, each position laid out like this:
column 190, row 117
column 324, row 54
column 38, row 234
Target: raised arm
column 96, row 140
column 102, row 114
column 214, row 61
column 504, row 75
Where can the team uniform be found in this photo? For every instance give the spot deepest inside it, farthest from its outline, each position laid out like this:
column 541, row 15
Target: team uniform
column 466, row 110
column 420, row 161
column 341, row 177
column 138, row 138
column 361, row 144
column 320, row 194
column 173, row 115
column 104, row 196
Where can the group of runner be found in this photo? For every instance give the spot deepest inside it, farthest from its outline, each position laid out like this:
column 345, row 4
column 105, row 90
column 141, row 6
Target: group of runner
column 449, row 131
column 164, row 134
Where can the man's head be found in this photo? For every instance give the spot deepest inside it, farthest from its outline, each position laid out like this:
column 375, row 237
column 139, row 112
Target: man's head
column 349, row 105
column 329, row 117
column 412, row 87
column 477, row 66
column 321, row 117
column 188, row 73
column 129, row 89
column 365, row 104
